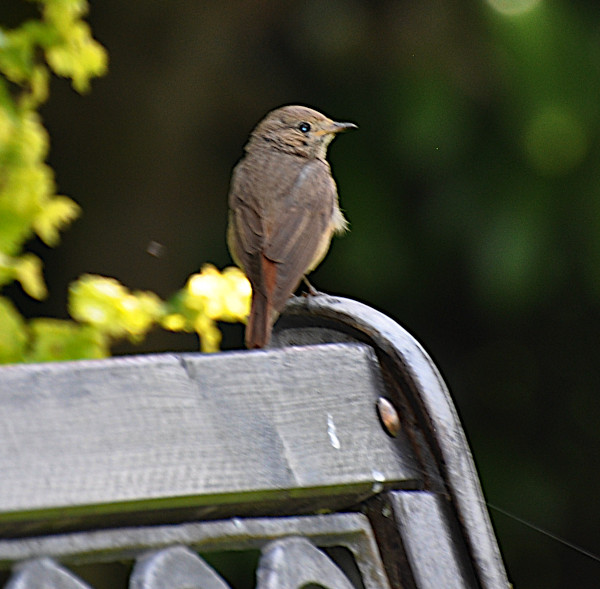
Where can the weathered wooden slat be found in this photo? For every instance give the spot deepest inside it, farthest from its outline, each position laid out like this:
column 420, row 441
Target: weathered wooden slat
column 431, row 543
column 44, row 573
column 350, row 532
column 417, row 386
column 435, row 552
column 293, row 563
column 176, row 567
column 269, row 428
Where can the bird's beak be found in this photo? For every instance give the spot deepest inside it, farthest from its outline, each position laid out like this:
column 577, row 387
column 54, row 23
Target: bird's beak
column 341, row 127
column 333, row 128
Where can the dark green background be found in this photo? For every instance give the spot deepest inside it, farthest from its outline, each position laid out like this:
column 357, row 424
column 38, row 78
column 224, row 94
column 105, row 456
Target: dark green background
column 472, row 189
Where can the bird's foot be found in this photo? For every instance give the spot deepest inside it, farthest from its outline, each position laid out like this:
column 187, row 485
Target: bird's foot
column 312, row 291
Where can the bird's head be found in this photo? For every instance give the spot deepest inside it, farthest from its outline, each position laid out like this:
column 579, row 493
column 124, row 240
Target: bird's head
column 299, row 130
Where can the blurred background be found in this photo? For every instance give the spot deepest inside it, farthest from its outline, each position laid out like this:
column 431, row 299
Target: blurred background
column 472, row 191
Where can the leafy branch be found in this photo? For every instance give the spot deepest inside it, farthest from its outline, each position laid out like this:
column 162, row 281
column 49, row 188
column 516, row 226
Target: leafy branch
column 60, row 42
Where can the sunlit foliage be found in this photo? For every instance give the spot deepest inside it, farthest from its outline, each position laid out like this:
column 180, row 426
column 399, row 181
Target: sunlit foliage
column 105, row 311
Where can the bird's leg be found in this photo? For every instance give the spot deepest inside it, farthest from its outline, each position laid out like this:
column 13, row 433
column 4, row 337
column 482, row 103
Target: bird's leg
column 312, row 291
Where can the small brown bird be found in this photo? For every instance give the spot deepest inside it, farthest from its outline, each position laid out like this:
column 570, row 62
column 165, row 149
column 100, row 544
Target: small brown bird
column 283, row 209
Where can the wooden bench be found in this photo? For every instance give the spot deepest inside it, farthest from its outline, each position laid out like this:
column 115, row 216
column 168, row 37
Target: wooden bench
column 333, row 459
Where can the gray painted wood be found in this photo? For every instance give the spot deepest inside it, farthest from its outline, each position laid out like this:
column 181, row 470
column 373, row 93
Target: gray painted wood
column 349, row 531
column 176, row 567
column 280, row 431
column 435, row 553
column 415, row 384
column 269, row 429
column 294, row 563
column 44, row 573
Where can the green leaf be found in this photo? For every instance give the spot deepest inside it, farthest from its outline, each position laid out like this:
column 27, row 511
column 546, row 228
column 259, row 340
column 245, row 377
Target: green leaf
column 80, row 57
column 56, row 214
column 17, row 53
column 13, row 333
column 29, row 274
column 27, row 269
column 54, row 339
column 111, row 308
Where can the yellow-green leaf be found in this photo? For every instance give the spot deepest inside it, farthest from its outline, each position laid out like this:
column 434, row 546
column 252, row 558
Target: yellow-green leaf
column 27, row 269
column 54, row 339
column 29, row 274
column 79, row 57
column 110, row 307
column 13, row 333
column 56, row 214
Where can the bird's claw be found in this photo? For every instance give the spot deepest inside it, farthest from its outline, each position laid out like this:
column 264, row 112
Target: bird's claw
column 312, row 291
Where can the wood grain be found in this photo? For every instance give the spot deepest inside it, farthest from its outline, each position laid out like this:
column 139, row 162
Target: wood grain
column 418, row 387
column 156, row 432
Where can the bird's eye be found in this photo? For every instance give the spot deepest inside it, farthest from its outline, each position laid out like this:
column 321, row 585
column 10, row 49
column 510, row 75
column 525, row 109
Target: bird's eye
column 304, row 127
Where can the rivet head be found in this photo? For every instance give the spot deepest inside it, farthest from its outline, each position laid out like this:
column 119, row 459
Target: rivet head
column 388, row 416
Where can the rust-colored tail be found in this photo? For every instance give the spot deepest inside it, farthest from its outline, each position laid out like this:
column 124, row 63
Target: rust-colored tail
column 258, row 328
column 262, row 315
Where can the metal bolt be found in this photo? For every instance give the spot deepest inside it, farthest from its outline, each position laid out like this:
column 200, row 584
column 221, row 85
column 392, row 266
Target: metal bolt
column 388, row 416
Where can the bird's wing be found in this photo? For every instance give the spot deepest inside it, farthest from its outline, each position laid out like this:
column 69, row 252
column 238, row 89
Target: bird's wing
column 301, row 227
column 278, row 221
column 246, row 230
column 246, row 211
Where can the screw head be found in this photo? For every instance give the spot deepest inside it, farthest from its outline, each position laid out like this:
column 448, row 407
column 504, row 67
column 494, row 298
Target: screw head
column 388, row 416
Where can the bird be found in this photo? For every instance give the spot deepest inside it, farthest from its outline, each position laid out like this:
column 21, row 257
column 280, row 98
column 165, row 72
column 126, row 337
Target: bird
column 283, row 210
